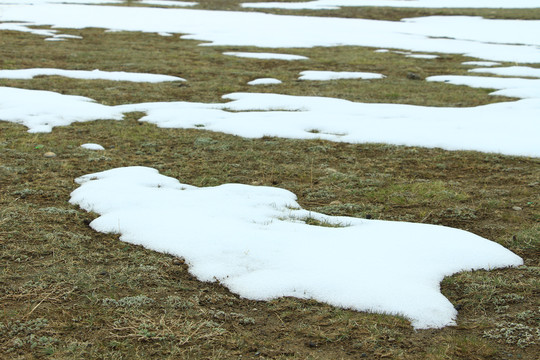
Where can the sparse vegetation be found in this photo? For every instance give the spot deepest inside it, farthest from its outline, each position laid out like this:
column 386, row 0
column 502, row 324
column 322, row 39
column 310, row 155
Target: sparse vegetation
column 68, row 292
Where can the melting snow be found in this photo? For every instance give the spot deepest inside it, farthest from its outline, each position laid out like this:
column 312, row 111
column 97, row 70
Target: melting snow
column 490, row 39
column 336, row 4
column 264, row 81
column 511, row 71
column 254, row 240
column 269, row 56
column 92, row 146
column 168, row 3
column 422, row 56
column 40, row 111
column 481, row 63
column 335, row 75
column 88, row 75
column 482, row 128
column 511, row 87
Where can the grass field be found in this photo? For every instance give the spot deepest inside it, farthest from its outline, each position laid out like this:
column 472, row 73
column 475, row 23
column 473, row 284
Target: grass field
column 68, row 292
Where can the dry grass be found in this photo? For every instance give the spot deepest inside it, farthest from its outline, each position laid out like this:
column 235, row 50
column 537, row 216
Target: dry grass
column 67, row 292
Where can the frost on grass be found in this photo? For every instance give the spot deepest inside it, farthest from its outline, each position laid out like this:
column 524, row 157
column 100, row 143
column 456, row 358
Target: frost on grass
column 259, row 243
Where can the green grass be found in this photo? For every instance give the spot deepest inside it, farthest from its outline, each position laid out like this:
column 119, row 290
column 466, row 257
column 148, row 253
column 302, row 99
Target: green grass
column 68, row 292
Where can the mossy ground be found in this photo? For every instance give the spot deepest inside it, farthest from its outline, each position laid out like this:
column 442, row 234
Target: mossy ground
column 68, row 292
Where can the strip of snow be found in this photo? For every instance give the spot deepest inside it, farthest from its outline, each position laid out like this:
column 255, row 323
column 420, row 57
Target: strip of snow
column 434, row 4
column 337, row 75
column 23, row 27
column 41, row 2
column 481, row 63
column 264, row 81
column 489, row 39
column 92, row 146
column 255, row 241
column 483, row 128
column 40, row 111
column 87, row 75
column 268, row 56
column 510, row 71
column 169, row 3
column 422, row 56
column 511, row 87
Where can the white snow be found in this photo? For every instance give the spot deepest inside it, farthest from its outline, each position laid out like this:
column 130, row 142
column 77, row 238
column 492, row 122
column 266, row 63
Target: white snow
column 87, row 75
column 22, row 27
column 264, row 81
column 41, row 2
column 481, row 63
column 40, row 111
column 483, row 128
column 92, row 146
column 511, row 87
column 266, row 56
column 489, row 39
column 510, row 71
column 254, row 240
column 169, row 3
column 422, row 56
column 336, row 4
column 337, row 75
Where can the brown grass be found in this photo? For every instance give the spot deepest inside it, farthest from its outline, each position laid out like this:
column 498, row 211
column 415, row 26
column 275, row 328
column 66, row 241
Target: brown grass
column 67, row 292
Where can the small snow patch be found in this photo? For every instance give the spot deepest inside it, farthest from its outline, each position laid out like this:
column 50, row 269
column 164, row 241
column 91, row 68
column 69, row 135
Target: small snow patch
column 510, row 71
column 87, row 75
column 266, row 56
column 92, row 146
column 264, row 81
column 334, row 75
column 480, row 63
column 422, row 56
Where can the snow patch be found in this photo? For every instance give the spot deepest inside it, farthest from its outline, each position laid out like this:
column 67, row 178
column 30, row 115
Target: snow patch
column 335, row 75
column 87, row 75
column 511, row 87
column 489, row 39
column 92, row 146
column 266, row 56
column 255, row 241
column 510, row 71
column 168, row 3
column 264, row 81
column 481, row 63
column 483, row 128
column 434, row 4
column 40, row 111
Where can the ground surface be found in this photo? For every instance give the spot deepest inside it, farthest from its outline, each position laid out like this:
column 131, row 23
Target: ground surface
column 67, row 292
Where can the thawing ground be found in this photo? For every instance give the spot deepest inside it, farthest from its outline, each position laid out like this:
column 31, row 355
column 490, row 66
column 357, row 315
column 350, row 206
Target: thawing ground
column 255, row 241
column 488, row 39
column 87, row 75
column 336, row 4
column 484, row 128
column 249, row 237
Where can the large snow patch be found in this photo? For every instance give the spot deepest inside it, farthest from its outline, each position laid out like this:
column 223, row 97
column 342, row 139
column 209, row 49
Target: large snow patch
column 255, row 241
